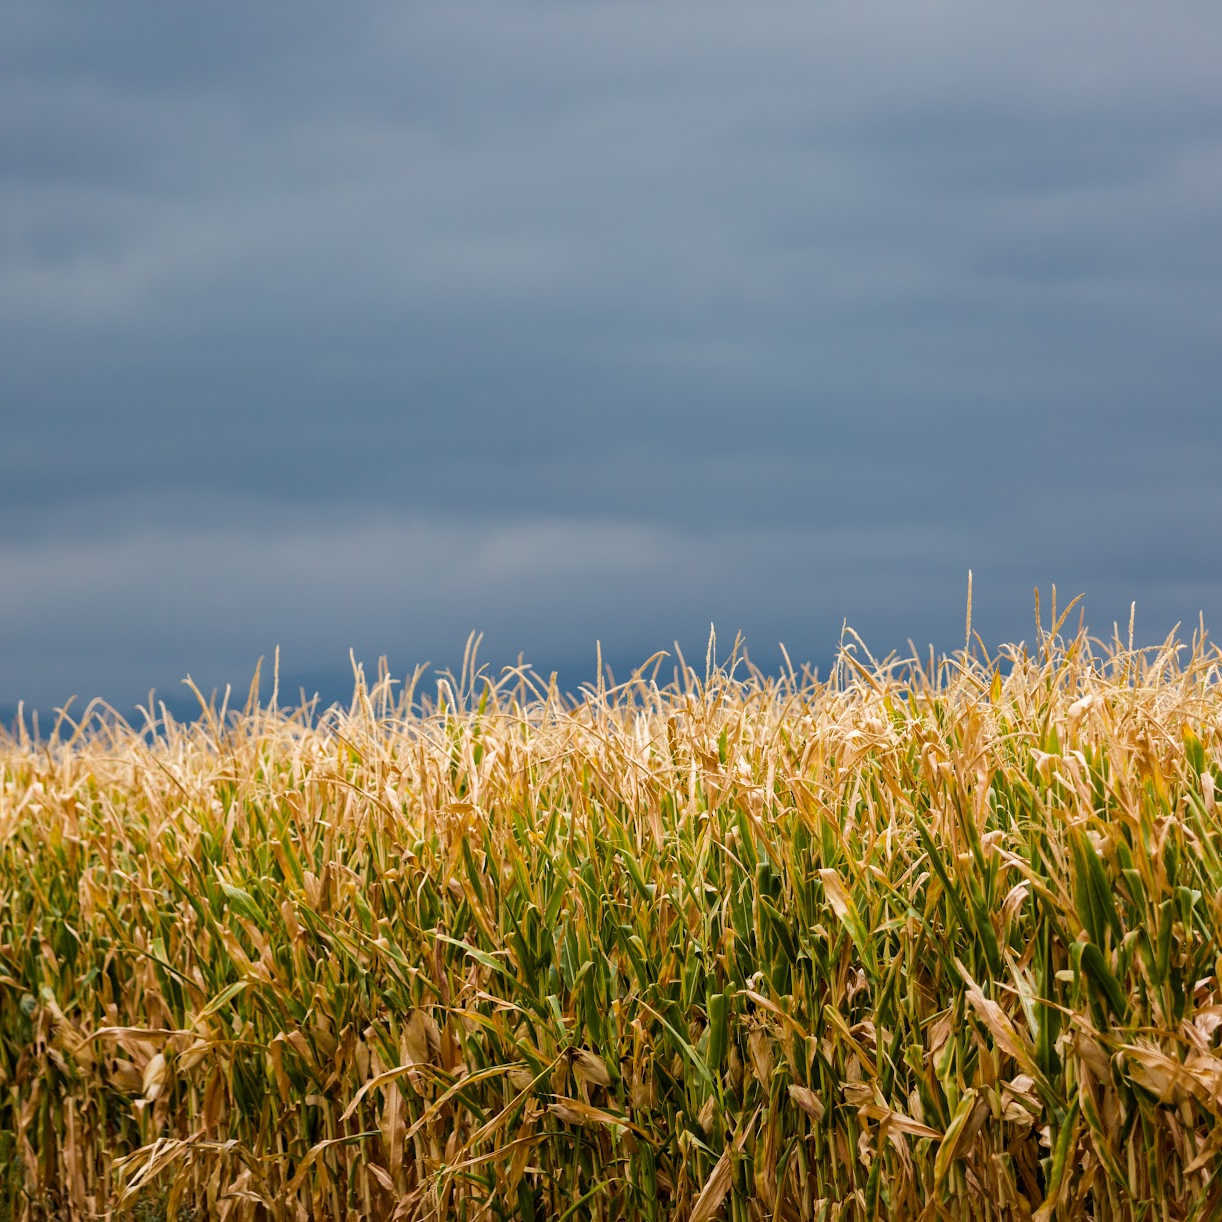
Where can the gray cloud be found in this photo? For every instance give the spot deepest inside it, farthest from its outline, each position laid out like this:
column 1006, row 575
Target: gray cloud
column 116, row 616
column 685, row 312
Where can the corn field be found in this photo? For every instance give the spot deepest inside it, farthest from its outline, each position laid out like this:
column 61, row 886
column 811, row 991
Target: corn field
column 925, row 938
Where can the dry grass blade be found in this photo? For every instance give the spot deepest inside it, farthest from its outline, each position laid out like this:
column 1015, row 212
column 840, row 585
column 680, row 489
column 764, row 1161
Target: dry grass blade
column 712, row 1196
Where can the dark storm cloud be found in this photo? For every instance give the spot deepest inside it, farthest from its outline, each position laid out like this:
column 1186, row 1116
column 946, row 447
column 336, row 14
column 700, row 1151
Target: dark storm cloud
column 685, row 312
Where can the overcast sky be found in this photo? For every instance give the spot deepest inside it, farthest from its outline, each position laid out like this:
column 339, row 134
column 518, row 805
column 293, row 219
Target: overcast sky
column 364, row 326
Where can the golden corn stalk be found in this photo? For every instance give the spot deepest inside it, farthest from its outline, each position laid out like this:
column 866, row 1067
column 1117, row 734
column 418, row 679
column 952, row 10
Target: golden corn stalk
column 920, row 940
